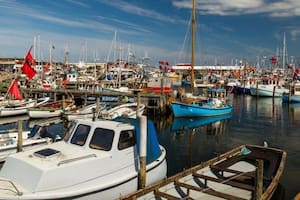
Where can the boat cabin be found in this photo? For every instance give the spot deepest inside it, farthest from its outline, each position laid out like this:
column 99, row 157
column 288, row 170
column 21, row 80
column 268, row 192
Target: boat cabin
column 100, row 138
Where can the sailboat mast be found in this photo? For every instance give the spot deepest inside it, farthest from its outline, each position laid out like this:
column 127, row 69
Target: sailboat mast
column 193, row 45
column 284, row 52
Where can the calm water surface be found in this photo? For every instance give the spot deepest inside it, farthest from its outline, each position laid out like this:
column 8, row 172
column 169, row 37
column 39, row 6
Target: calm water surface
column 253, row 121
column 191, row 141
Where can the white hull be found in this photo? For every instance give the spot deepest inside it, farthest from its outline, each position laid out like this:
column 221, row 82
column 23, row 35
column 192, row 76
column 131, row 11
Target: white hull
column 44, row 113
column 5, row 112
column 265, row 91
column 79, row 116
column 81, row 113
column 125, row 110
column 20, row 108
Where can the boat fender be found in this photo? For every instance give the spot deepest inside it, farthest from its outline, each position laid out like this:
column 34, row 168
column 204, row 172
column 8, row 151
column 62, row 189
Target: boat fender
column 245, row 151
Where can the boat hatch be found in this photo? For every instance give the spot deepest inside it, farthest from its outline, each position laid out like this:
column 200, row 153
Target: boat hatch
column 47, row 153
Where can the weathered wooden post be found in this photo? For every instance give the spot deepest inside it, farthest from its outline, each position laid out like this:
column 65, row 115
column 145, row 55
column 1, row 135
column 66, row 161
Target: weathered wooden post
column 161, row 86
column 20, row 136
column 256, row 89
column 274, row 89
column 63, row 102
column 259, row 179
column 143, row 152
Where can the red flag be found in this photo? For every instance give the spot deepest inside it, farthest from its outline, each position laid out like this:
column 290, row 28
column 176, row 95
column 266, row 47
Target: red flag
column 273, row 60
column 29, row 57
column 14, row 90
column 28, row 70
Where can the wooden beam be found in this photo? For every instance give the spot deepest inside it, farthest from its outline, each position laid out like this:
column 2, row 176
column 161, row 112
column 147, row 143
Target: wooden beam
column 247, row 174
column 165, row 195
column 227, row 182
column 208, row 190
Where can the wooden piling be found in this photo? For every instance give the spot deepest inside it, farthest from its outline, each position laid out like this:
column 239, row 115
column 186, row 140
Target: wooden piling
column 63, row 102
column 274, row 88
column 143, row 151
column 20, row 136
column 259, row 179
column 256, row 89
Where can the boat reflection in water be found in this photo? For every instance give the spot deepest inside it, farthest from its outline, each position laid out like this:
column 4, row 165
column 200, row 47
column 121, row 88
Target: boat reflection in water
column 294, row 112
column 213, row 125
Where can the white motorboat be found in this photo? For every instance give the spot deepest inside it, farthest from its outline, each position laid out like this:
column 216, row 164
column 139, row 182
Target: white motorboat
column 96, row 160
column 51, row 109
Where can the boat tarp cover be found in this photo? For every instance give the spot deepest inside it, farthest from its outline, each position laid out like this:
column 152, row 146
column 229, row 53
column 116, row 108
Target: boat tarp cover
column 153, row 149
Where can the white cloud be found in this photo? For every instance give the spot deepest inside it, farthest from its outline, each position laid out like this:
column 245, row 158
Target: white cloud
column 275, row 8
column 79, row 3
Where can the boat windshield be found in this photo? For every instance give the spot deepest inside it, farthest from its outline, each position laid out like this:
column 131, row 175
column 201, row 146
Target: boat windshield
column 80, row 135
column 102, row 139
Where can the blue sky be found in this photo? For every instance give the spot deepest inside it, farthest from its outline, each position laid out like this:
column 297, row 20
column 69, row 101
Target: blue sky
column 227, row 30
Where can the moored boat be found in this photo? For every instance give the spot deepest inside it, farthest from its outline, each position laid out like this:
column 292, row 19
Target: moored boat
column 124, row 110
column 159, row 84
column 268, row 87
column 51, row 109
column 293, row 97
column 213, row 107
column 231, row 175
column 19, row 108
column 86, row 111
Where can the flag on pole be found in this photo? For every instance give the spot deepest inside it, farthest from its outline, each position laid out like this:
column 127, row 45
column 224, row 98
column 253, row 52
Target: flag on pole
column 29, row 57
column 27, row 69
column 14, row 90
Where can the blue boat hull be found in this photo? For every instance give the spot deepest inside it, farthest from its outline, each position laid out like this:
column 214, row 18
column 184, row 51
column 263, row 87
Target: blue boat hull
column 197, row 110
column 241, row 90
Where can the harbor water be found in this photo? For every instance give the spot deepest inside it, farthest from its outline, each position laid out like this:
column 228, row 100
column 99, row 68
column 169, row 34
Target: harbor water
column 190, row 141
column 253, row 121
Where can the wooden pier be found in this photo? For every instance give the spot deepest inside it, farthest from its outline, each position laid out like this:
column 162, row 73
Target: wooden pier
column 153, row 102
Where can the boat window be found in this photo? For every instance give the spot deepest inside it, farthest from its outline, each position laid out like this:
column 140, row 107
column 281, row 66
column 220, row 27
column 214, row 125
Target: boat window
column 80, row 135
column 102, row 139
column 127, row 139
